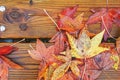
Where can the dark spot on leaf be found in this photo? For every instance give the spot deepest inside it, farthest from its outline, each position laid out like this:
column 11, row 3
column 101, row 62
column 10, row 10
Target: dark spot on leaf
column 81, row 79
column 88, row 76
column 98, row 59
column 82, row 51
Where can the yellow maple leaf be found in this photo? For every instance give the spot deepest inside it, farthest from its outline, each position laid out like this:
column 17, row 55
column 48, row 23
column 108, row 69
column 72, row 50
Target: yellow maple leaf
column 84, row 47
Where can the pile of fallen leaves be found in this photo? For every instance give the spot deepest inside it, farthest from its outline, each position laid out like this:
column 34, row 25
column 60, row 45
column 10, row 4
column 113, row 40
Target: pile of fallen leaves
column 76, row 53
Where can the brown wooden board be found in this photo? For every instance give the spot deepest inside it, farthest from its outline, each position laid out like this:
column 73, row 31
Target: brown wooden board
column 31, row 66
column 40, row 26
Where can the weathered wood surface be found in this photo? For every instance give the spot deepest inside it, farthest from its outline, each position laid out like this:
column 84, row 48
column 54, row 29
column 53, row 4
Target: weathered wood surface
column 31, row 66
column 40, row 25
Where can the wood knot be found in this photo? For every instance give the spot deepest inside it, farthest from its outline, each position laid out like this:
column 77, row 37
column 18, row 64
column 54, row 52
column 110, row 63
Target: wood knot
column 23, row 26
column 15, row 14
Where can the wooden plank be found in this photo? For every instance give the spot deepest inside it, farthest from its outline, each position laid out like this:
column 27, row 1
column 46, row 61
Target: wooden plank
column 118, row 44
column 40, row 26
column 31, row 66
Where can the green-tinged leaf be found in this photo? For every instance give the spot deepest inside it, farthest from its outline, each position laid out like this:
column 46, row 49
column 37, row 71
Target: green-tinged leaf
column 95, row 41
column 75, row 69
column 116, row 60
column 74, row 50
column 84, row 47
column 71, row 40
column 60, row 71
column 95, row 51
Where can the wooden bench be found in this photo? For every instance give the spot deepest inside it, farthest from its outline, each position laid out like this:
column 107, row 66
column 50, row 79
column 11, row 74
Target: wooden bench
column 40, row 26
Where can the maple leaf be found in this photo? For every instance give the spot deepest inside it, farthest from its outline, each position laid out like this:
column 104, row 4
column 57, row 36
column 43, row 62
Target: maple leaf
column 71, row 24
column 59, row 39
column 45, row 55
column 42, row 52
column 110, row 16
column 68, row 23
column 96, row 65
column 60, row 71
column 84, row 47
column 70, row 11
column 67, row 12
column 68, row 63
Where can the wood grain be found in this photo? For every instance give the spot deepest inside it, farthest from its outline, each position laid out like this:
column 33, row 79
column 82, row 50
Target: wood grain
column 40, row 26
column 31, row 66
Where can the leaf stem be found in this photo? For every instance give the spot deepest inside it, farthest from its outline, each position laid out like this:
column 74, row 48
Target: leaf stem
column 51, row 19
column 107, row 4
column 18, row 42
column 84, row 70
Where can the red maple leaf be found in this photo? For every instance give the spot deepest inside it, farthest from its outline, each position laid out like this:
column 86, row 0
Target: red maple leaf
column 67, row 12
column 106, row 17
column 68, row 22
column 60, row 40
